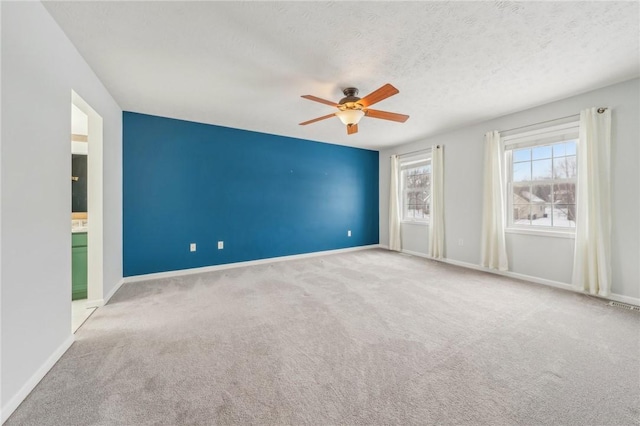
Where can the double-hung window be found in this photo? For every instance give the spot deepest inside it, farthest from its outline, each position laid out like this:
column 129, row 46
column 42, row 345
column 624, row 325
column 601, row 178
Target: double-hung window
column 541, row 175
column 415, row 187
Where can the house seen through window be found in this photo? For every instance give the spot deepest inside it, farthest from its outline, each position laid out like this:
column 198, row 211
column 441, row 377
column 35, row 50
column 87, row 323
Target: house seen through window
column 415, row 181
column 542, row 181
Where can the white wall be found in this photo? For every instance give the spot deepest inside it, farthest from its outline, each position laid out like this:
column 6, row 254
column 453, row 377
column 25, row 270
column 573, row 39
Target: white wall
column 79, row 121
column 40, row 68
column 539, row 257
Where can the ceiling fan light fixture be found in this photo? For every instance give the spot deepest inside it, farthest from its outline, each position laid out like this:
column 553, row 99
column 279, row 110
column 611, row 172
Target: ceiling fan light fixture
column 351, row 108
column 350, row 116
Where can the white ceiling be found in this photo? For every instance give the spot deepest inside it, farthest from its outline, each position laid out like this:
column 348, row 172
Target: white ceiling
column 246, row 64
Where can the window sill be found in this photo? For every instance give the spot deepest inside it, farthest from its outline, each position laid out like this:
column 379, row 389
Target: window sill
column 414, row 222
column 542, row 232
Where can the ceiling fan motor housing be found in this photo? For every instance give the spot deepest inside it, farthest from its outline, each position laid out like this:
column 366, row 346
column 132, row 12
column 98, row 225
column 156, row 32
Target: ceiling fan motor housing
column 350, row 100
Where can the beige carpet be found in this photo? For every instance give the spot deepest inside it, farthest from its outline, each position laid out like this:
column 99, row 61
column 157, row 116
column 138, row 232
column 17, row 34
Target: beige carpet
column 366, row 338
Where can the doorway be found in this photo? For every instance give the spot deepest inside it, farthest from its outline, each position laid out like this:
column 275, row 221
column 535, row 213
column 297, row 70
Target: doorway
column 86, row 210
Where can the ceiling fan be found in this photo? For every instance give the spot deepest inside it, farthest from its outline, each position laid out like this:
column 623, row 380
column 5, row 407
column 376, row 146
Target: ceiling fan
column 351, row 108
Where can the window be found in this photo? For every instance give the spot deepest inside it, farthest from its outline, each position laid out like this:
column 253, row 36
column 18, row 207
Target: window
column 541, row 174
column 415, row 184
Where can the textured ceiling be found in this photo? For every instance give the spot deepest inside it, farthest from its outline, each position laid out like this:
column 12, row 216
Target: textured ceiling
column 246, row 64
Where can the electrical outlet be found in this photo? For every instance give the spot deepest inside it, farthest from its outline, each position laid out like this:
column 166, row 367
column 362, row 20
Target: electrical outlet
column 460, row 242
column 220, row 245
column 192, row 247
column 349, row 233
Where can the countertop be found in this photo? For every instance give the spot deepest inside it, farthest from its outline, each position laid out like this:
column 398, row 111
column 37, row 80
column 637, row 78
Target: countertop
column 79, row 225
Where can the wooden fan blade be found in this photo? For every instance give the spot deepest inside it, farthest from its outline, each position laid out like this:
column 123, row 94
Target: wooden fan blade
column 324, row 117
column 317, row 99
column 352, row 128
column 385, row 115
column 376, row 96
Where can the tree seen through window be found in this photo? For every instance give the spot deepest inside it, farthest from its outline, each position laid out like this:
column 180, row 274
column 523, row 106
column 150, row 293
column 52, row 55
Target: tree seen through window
column 416, row 188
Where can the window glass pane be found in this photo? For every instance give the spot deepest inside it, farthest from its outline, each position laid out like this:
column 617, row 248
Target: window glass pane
column 417, row 208
column 541, row 169
column 559, row 149
column 521, row 193
column 564, row 209
column 564, row 167
column 521, row 214
column 541, row 214
column 416, row 190
column 564, row 193
column 564, row 215
column 521, row 172
column 521, row 155
column 564, row 148
column 571, row 147
column 541, row 152
column 417, row 177
column 540, row 194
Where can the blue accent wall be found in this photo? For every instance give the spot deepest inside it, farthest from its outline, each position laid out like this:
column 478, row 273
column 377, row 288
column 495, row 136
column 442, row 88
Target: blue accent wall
column 263, row 195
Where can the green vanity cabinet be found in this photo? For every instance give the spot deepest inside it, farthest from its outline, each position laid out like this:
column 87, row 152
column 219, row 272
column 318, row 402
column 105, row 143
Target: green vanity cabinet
column 79, row 276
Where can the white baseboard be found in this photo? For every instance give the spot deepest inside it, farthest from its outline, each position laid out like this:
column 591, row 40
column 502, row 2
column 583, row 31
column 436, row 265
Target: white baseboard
column 529, row 278
column 181, row 272
column 417, row 253
column 113, row 291
column 26, row 389
column 94, row 303
column 523, row 277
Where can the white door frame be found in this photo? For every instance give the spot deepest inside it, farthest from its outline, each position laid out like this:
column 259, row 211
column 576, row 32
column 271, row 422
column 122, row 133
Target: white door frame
column 95, row 207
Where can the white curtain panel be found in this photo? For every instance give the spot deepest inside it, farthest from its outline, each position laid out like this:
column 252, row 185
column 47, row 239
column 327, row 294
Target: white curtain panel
column 436, row 221
column 394, row 207
column 493, row 249
column 592, row 257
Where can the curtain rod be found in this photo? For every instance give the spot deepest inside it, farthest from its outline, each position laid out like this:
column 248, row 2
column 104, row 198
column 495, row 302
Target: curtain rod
column 600, row 111
column 415, row 152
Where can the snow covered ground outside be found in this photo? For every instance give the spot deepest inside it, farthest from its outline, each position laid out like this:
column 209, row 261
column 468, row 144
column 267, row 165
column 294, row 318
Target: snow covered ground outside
column 559, row 219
